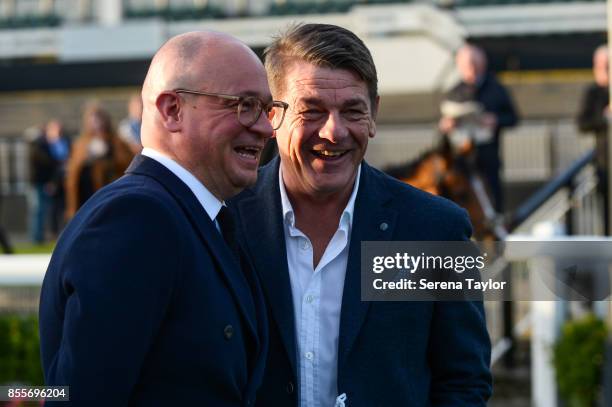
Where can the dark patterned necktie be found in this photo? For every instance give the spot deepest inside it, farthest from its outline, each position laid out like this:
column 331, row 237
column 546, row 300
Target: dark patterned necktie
column 228, row 229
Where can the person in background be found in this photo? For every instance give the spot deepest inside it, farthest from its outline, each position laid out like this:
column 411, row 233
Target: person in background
column 7, row 247
column 48, row 156
column 593, row 118
column 98, row 157
column 498, row 112
column 129, row 128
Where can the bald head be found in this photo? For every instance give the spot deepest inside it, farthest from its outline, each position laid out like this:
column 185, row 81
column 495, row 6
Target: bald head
column 193, row 60
column 600, row 65
column 189, row 61
column 203, row 132
column 471, row 63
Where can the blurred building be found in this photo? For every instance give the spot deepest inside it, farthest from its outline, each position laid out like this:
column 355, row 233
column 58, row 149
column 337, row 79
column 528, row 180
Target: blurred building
column 57, row 54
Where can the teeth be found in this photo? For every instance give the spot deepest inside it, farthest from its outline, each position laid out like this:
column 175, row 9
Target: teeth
column 328, row 153
column 248, row 151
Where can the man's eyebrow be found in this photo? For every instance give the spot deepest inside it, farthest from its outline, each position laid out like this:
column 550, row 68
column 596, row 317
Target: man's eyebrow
column 309, row 101
column 355, row 102
column 316, row 101
column 249, row 93
column 265, row 98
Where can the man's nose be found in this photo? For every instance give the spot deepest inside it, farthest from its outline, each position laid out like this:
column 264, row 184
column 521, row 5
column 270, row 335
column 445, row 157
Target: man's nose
column 262, row 126
column 334, row 128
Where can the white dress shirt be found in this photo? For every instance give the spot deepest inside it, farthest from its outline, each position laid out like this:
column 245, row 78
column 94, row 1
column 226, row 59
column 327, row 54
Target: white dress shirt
column 317, row 301
column 209, row 202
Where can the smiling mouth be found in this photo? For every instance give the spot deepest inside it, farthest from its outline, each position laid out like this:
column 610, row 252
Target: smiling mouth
column 250, row 152
column 329, row 154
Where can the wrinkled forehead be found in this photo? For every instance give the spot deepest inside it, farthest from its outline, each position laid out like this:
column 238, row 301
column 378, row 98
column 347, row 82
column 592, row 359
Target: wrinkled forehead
column 307, row 82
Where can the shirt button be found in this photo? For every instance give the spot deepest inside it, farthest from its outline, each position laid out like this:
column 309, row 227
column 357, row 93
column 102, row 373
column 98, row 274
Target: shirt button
column 305, row 245
column 228, row 332
column 309, row 355
column 309, row 298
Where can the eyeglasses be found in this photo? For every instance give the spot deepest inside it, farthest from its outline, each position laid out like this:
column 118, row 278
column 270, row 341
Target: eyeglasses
column 250, row 108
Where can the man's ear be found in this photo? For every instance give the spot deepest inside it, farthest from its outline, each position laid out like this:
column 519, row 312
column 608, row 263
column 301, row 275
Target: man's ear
column 374, row 115
column 375, row 107
column 170, row 110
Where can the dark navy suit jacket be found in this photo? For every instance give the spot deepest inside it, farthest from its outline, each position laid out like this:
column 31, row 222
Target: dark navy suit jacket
column 143, row 304
column 389, row 353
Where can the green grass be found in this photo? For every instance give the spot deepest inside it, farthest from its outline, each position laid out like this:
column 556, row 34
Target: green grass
column 30, row 248
column 20, row 350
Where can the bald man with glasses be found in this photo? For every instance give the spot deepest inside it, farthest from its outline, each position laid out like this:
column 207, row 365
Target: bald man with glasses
column 144, row 303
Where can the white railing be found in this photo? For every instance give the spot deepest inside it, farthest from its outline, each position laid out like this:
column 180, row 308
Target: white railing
column 23, row 270
column 21, row 277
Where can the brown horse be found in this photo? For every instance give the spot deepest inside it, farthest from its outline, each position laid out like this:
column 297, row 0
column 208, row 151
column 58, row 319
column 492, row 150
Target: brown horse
column 441, row 171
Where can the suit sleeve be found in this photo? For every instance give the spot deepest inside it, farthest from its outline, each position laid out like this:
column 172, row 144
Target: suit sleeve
column 117, row 277
column 460, row 349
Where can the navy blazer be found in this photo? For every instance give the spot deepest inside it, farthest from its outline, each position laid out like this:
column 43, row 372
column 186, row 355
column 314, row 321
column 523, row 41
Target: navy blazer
column 389, row 353
column 143, row 304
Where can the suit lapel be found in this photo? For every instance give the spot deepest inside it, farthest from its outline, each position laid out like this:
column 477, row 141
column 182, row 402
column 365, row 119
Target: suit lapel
column 221, row 254
column 261, row 219
column 372, row 221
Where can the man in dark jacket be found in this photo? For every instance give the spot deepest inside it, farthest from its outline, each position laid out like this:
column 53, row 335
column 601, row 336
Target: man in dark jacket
column 498, row 112
column 302, row 226
column 48, row 155
column 143, row 303
column 594, row 117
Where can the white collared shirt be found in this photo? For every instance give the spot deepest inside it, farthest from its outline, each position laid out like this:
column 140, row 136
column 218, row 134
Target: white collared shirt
column 317, row 301
column 209, row 202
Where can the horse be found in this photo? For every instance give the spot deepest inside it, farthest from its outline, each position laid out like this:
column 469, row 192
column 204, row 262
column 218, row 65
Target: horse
column 453, row 175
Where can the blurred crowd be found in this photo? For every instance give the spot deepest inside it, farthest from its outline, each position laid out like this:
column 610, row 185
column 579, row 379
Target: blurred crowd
column 65, row 171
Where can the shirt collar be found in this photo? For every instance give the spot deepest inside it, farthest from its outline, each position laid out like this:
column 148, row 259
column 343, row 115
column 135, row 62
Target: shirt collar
column 346, row 219
column 209, row 202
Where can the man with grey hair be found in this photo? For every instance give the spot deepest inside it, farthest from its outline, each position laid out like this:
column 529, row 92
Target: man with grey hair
column 594, row 118
column 143, row 302
column 302, row 226
column 497, row 113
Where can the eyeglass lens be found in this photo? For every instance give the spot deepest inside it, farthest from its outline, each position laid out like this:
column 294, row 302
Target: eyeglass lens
column 250, row 109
